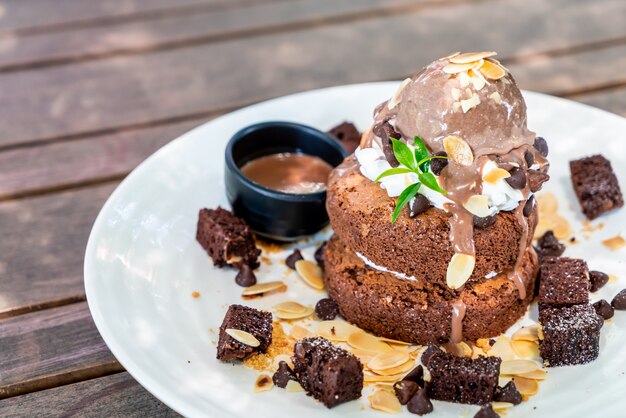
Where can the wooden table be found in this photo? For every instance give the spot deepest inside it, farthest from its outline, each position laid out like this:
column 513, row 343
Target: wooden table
column 89, row 88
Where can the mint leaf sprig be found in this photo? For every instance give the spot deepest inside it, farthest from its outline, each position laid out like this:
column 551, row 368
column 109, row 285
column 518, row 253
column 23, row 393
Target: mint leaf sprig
column 417, row 162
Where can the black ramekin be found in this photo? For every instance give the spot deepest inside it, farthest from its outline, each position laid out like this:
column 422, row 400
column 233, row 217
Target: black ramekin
column 270, row 213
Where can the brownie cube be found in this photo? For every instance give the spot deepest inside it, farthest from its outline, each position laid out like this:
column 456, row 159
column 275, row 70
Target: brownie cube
column 227, row 239
column 328, row 373
column 461, row 379
column 569, row 335
column 595, row 185
column 253, row 321
column 563, row 282
column 348, row 135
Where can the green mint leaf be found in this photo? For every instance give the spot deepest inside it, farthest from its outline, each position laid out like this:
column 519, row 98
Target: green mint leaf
column 429, row 180
column 393, row 171
column 432, row 157
column 421, row 152
column 403, row 153
column 404, row 198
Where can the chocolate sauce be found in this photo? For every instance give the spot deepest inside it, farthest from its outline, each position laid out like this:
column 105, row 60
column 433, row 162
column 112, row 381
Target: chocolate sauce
column 458, row 313
column 289, row 172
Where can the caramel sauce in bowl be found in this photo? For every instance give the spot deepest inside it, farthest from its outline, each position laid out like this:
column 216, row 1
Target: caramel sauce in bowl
column 276, row 175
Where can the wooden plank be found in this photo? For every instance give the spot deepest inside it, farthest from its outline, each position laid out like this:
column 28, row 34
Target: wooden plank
column 51, row 348
column 208, row 26
column 97, row 95
column 612, row 100
column 42, row 248
column 118, row 395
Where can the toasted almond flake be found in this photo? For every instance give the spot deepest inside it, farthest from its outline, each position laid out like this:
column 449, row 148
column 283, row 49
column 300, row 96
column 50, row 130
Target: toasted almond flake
column 453, row 68
column 459, row 349
column 364, row 355
column 501, row 406
column 515, row 367
column 561, row 229
column 393, row 102
column 263, row 289
column 383, row 400
column 290, row 315
column 454, row 54
column 528, row 333
column 388, row 360
column 460, row 269
column 503, row 380
column 502, row 348
column 401, row 369
column 338, row 331
column 311, row 273
column 544, row 225
column 298, row 332
column 477, row 64
column 614, row 243
column 469, row 104
column 282, row 357
column 464, row 79
column 613, row 278
column 492, row 71
column 456, row 93
column 540, row 333
column 458, row 150
column 535, row 374
column 478, row 205
column 371, row 377
column 243, row 337
column 495, row 175
column 293, row 386
column 291, row 307
column 263, row 383
column 495, row 96
column 525, row 349
column 477, row 352
column 477, row 81
column 470, row 57
column 233, row 259
column 484, row 344
column 528, row 387
column 547, row 203
column 364, row 341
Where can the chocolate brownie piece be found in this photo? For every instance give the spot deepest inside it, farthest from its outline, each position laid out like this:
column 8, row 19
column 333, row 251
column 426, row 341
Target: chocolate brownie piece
column 461, row 379
column 255, row 322
column 595, row 185
column 348, row 135
column 563, row 282
column 328, row 373
column 569, row 335
column 227, row 239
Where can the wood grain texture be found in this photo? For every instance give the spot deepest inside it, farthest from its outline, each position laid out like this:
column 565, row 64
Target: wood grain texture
column 41, row 253
column 118, row 395
column 210, row 25
column 613, row 100
column 51, row 348
column 97, row 95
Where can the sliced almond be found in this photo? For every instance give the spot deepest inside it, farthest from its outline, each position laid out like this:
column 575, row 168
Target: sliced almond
column 263, row 383
column 396, row 342
column 528, row 387
column 459, row 349
column 311, row 273
column 503, row 380
column 372, row 378
column 525, row 349
column 535, row 374
column 393, row 102
column 453, row 68
column 614, row 243
column 388, row 360
column 401, row 369
column 470, row 57
column 299, row 333
column 478, row 205
column 502, row 348
column 516, row 367
column 547, row 203
column 364, row 341
column 495, row 96
column 336, row 330
column 469, row 104
column 495, row 175
column 291, row 307
column 458, row 150
column 293, row 386
column 529, row 333
column 364, row 355
column 460, row 269
column 384, row 400
column 501, row 407
column 484, row 344
column 263, row 289
column 562, row 229
column 454, row 54
column 464, row 79
column 477, row 352
column 456, row 93
column 477, row 81
column 290, row 315
column 243, row 337
column 492, row 71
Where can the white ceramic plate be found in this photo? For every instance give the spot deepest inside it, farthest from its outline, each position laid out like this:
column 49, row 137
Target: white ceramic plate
column 142, row 264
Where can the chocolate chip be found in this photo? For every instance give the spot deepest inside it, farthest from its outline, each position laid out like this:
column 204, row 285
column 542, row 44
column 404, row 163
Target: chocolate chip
column 245, row 277
column 517, row 179
column 486, row 412
column 420, row 404
column 429, row 352
column 319, row 255
column 418, row 205
column 405, row 389
column 283, row 375
column 619, row 301
column 536, row 179
column 604, row 309
column 326, row 309
column 598, row 280
column 528, row 206
column 416, row 375
column 485, row 221
column 541, row 145
column 348, row 135
column 438, row 164
column 529, row 157
column 508, row 393
column 296, row 255
column 384, row 130
column 549, row 246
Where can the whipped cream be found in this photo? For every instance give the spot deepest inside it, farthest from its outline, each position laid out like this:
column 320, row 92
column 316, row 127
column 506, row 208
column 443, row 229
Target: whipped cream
column 375, row 266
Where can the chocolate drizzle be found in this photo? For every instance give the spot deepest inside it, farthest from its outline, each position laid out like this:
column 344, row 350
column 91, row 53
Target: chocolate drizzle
column 458, row 313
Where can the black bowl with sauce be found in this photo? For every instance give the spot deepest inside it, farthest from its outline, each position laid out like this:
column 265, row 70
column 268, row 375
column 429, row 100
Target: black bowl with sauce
column 271, row 213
